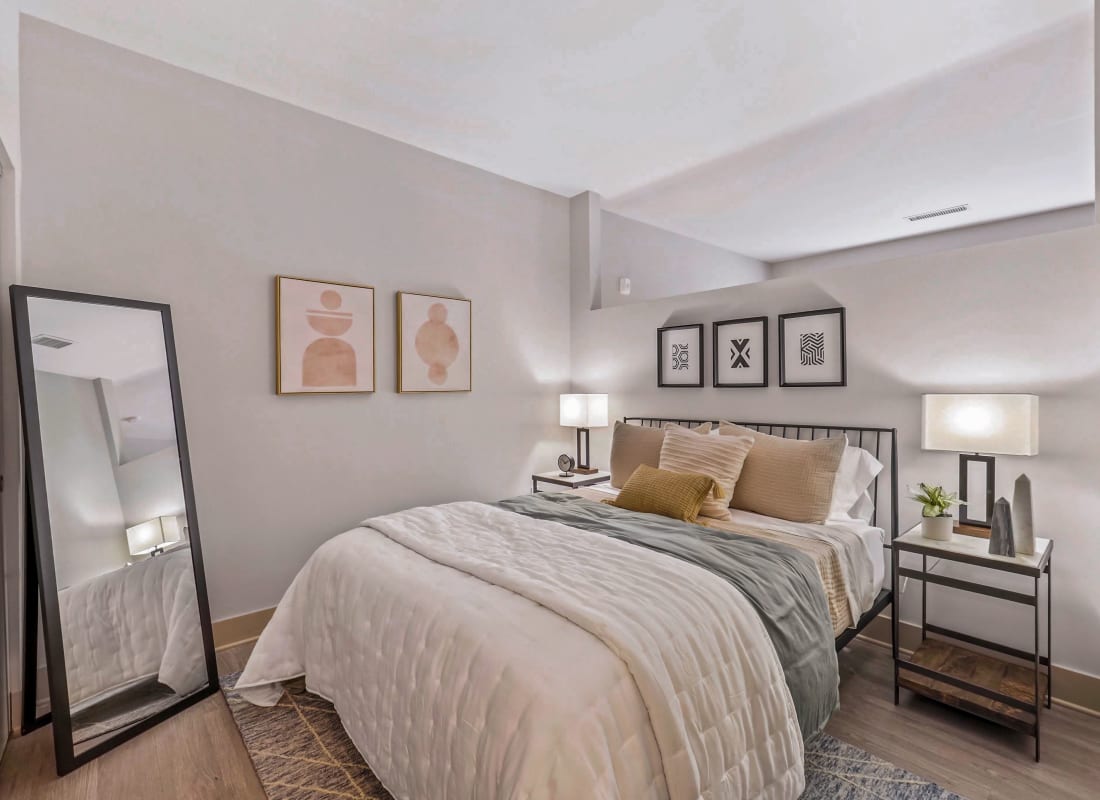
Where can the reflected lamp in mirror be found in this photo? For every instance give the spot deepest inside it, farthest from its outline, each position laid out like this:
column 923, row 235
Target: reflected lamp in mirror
column 151, row 537
column 583, row 412
column 979, row 427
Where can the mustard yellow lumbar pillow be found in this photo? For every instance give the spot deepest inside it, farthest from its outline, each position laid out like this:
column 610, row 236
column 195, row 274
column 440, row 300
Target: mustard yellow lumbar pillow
column 671, row 494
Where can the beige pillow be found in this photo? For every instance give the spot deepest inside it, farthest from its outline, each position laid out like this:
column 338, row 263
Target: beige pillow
column 718, row 457
column 632, row 446
column 787, row 478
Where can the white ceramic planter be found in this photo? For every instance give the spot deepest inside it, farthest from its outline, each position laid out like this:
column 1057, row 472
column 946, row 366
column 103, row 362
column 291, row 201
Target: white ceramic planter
column 938, row 529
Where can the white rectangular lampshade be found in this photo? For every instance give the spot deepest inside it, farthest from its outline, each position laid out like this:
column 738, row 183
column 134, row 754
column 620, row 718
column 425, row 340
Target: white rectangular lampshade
column 149, row 535
column 998, row 424
column 583, row 410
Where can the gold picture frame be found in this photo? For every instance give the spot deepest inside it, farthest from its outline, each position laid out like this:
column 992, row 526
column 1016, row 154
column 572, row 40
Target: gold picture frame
column 437, row 325
column 330, row 359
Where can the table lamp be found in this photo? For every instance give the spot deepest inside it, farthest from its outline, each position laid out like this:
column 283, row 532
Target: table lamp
column 150, row 537
column 583, row 411
column 976, row 424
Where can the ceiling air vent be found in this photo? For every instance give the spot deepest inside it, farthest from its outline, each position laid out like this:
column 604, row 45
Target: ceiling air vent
column 54, row 342
column 939, row 213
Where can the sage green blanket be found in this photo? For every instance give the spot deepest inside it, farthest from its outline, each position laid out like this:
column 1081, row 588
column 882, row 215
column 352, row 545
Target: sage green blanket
column 780, row 582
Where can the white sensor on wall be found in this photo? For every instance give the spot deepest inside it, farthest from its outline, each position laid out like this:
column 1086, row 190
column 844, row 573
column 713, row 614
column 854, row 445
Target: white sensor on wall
column 624, row 286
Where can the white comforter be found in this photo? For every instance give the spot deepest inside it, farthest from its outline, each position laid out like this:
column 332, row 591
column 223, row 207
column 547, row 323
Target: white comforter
column 476, row 653
column 133, row 623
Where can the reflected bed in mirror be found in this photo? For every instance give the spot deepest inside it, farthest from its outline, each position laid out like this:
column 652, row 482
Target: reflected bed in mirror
column 124, row 611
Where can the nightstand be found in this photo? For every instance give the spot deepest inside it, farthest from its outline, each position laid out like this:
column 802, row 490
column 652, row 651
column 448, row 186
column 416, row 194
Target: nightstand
column 1007, row 692
column 571, row 482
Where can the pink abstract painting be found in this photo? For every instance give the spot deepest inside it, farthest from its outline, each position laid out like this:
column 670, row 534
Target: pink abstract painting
column 433, row 343
column 325, row 336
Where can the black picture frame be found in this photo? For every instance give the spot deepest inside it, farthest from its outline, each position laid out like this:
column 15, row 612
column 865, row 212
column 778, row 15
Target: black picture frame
column 715, row 372
column 41, row 594
column 783, row 342
column 661, row 377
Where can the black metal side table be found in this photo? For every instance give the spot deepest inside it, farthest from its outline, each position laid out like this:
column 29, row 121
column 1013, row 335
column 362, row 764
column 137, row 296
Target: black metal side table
column 1007, row 692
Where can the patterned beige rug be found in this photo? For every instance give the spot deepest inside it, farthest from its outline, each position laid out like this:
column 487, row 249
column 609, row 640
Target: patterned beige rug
column 299, row 748
column 301, row 752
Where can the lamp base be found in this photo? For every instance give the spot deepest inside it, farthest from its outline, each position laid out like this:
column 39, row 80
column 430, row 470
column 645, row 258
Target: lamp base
column 586, row 470
column 990, row 489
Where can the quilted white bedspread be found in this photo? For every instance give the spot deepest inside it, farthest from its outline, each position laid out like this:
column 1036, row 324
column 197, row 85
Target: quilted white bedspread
column 132, row 623
column 476, row 653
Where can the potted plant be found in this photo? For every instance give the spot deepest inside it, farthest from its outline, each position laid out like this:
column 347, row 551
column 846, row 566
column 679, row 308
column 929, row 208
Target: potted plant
column 936, row 523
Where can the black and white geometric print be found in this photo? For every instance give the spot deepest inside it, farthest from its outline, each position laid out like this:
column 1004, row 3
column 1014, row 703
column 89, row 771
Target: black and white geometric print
column 811, row 347
column 739, row 353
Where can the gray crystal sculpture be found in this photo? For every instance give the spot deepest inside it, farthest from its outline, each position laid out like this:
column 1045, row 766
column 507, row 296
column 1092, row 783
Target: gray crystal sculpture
column 1001, row 542
column 1023, row 525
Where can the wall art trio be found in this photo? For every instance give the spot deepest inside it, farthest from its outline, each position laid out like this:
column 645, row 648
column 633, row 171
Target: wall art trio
column 324, row 339
column 811, row 352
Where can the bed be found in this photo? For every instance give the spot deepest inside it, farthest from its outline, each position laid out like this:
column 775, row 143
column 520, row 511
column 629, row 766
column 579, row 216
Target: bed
column 548, row 646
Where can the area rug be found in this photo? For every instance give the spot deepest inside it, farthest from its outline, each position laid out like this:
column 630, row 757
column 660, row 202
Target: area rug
column 301, row 752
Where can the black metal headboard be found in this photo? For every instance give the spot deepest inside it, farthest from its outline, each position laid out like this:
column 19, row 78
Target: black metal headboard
column 882, row 443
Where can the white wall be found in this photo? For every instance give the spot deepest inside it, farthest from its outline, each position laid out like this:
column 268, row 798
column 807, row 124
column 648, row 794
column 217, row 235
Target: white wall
column 150, row 487
column 146, row 181
column 9, row 552
column 86, row 523
column 661, row 263
column 9, row 77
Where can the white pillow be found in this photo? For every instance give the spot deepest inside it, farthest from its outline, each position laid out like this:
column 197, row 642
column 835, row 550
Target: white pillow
column 856, row 471
column 864, row 508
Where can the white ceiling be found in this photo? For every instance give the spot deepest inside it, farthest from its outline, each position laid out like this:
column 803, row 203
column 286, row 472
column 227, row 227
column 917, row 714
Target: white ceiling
column 107, row 341
column 776, row 129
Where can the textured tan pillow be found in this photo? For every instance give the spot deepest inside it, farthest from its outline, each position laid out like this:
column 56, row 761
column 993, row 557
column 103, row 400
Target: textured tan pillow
column 720, row 457
column 787, row 478
column 670, row 494
column 631, row 446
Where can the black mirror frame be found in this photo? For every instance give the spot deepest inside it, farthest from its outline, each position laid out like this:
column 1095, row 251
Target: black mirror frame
column 44, row 589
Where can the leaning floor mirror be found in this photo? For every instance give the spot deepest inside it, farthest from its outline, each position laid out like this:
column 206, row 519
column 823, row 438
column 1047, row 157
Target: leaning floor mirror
column 112, row 529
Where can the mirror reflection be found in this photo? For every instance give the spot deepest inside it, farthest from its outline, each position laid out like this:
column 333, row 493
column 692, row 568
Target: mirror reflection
column 128, row 607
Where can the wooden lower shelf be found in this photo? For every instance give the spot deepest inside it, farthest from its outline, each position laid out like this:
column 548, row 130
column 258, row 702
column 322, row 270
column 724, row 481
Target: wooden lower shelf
column 1002, row 676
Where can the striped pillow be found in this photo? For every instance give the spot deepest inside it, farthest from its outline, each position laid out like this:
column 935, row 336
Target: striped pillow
column 671, row 494
column 719, row 457
column 789, row 479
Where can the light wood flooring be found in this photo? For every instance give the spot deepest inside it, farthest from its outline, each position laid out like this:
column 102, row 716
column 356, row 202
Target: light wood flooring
column 198, row 754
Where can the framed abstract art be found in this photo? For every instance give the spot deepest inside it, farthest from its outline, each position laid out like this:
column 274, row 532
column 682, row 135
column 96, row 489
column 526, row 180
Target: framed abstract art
column 324, row 337
column 740, row 353
column 433, row 343
column 812, row 349
column 680, row 356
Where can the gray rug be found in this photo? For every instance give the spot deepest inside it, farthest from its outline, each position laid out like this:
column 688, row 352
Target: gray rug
column 301, row 752
column 836, row 770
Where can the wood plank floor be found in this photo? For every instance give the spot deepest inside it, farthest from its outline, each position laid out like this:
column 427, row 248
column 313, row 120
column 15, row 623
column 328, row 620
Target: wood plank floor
column 198, row 754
